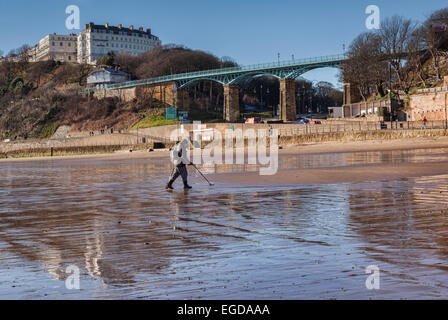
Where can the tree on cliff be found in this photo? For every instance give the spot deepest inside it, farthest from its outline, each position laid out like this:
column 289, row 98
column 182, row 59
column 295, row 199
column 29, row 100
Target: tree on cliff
column 107, row 60
column 399, row 43
column 435, row 36
column 377, row 59
column 365, row 69
column 170, row 59
column 395, row 36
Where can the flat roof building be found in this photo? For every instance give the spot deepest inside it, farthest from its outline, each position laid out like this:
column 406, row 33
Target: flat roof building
column 92, row 43
column 96, row 41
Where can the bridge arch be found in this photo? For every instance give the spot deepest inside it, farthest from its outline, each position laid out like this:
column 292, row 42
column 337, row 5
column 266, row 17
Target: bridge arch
column 189, row 83
column 239, row 79
column 296, row 73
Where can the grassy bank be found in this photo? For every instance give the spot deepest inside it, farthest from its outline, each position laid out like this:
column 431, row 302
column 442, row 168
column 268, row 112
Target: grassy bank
column 153, row 121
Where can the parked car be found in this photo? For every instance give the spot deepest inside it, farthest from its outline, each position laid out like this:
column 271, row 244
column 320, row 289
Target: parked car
column 303, row 116
column 8, row 140
column 303, row 121
column 314, row 122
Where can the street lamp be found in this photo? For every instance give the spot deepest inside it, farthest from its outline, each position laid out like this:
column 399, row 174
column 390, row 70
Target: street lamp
column 446, row 118
column 303, row 99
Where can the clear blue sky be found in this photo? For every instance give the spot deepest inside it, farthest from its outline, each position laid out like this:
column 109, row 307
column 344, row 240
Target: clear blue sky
column 250, row 31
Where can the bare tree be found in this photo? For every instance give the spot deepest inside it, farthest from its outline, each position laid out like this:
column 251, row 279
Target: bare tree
column 365, row 68
column 395, row 35
column 435, row 35
column 24, row 54
column 415, row 59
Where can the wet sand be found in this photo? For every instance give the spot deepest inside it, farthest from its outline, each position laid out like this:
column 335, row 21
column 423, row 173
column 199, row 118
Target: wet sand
column 308, row 232
column 292, row 177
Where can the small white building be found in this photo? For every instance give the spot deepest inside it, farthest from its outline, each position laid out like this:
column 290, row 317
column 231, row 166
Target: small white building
column 106, row 75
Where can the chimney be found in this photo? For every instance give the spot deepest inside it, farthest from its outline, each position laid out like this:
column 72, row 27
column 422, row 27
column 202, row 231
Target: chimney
column 140, row 29
column 107, row 25
column 131, row 27
column 148, row 31
column 120, row 26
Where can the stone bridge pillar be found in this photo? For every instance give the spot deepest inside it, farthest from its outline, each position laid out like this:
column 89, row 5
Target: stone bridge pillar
column 350, row 95
column 182, row 100
column 167, row 93
column 231, row 103
column 288, row 99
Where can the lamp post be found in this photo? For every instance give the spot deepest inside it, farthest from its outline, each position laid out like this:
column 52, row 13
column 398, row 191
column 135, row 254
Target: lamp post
column 303, row 99
column 310, row 110
column 446, row 118
column 390, row 79
column 281, row 105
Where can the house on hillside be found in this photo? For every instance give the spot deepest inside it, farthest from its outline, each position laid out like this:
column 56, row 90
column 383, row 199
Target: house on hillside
column 105, row 75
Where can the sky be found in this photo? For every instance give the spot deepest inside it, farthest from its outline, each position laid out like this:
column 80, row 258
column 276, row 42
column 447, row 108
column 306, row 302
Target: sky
column 249, row 31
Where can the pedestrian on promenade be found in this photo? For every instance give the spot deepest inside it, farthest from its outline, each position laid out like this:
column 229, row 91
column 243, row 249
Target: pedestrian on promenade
column 424, row 121
column 180, row 160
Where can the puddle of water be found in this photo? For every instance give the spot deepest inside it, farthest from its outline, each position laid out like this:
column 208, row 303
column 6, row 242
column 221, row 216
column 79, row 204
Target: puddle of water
column 132, row 239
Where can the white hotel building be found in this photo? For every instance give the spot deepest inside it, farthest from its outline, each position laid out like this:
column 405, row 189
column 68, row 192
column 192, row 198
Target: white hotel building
column 97, row 40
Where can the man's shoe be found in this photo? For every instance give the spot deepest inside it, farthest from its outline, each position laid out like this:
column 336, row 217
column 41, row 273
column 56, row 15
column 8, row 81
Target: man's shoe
column 169, row 186
column 186, row 186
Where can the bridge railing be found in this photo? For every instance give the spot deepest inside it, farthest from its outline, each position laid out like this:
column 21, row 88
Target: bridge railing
column 223, row 71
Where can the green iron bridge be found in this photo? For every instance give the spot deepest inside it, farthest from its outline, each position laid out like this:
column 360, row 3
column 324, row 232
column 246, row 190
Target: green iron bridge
column 230, row 78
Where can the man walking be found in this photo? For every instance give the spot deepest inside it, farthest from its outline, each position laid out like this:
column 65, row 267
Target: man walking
column 180, row 160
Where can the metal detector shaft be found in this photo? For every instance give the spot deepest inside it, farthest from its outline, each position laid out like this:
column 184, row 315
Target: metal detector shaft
column 202, row 174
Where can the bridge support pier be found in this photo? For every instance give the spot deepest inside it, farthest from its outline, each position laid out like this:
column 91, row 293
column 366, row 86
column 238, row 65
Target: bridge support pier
column 183, row 100
column 287, row 100
column 231, row 103
column 350, row 94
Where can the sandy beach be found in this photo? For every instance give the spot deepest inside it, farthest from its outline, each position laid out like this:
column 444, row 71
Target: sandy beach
column 300, row 176
column 309, row 231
